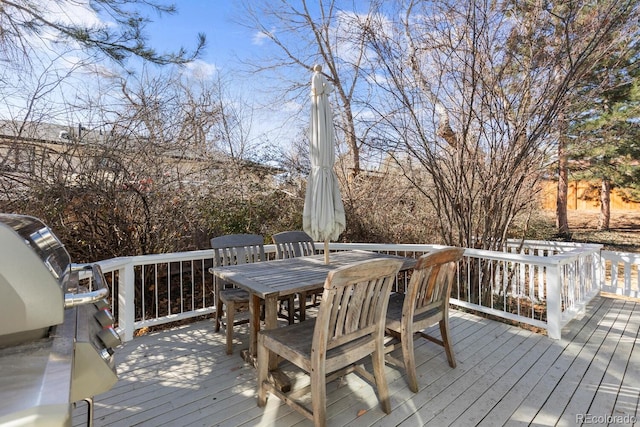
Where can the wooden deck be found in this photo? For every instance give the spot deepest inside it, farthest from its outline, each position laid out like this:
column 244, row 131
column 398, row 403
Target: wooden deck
column 505, row 376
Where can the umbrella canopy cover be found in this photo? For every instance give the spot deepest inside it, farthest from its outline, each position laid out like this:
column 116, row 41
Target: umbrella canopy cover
column 323, row 216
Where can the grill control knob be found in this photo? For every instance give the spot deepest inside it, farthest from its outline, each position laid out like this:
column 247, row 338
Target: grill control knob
column 109, row 337
column 106, row 354
column 101, row 304
column 104, row 317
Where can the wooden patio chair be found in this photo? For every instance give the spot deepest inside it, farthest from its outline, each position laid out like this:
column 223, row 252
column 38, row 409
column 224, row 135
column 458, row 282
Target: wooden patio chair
column 348, row 328
column 293, row 244
column 425, row 303
column 234, row 249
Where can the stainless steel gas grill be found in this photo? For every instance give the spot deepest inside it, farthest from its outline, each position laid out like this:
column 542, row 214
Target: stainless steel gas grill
column 56, row 332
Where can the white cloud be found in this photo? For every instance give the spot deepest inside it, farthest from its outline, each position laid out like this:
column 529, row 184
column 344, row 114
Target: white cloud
column 377, row 79
column 291, row 107
column 259, row 38
column 201, row 69
column 76, row 12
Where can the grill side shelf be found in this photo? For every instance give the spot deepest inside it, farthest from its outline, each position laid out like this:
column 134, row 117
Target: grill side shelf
column 35, row 378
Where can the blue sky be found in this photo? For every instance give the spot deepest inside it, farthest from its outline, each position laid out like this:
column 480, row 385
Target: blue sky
column 225, row 39
column 226, row 42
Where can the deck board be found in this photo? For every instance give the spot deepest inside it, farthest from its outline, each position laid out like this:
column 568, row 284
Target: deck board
column 620, row 385
column 505, row 376
column 556, row 365
column 602, row 369
column 578, row 356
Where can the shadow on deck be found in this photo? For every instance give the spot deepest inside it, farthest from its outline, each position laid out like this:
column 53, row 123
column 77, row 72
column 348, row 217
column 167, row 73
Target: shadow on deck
column 505, row 376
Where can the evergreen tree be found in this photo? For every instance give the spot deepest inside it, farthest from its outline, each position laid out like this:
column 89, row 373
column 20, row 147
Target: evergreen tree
column 600, row 77
column 606, row 132
column 23, row 23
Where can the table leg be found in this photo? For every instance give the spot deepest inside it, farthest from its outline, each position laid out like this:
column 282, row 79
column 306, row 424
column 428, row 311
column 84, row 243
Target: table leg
column 270, row 321
column 271, row 318
column 254, row 325
column 278, row 377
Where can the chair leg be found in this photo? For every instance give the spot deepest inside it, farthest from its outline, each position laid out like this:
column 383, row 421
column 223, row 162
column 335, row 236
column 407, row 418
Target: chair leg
column 314, row 300
column 291, row 309
column 319, row 395
column 408, row 357
column 302, row 298
column 218, row 314
column 381, row 380
column 280, row 307
column 446, row 341
column 231, row 309
column 263, row 371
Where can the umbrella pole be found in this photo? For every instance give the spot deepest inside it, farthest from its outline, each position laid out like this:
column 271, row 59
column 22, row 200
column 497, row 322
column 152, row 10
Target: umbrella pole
column 326, row 251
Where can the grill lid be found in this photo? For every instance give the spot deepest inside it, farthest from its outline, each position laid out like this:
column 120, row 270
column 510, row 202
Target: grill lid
column 34, row 266
column 41, row 240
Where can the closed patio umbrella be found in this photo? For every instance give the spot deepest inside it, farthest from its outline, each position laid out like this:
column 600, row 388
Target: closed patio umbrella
column 323, row 215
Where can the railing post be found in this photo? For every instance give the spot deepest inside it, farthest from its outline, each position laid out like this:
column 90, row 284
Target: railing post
column 126, row 301
column 554, row 302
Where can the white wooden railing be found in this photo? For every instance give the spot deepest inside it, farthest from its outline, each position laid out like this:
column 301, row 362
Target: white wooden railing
column 620, row 273
column 543, row 284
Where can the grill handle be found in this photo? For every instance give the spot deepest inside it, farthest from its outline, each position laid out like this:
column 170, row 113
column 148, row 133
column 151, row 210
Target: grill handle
column 73, row 300
column 101, row 291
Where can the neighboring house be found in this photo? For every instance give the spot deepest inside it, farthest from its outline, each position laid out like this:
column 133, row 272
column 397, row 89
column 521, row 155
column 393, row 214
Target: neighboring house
column 44, row 151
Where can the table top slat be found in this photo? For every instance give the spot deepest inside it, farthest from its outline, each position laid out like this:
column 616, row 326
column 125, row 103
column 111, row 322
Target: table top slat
column 293, row 275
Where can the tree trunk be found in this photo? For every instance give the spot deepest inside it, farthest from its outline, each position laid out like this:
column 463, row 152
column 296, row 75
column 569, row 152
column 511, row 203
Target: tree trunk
column 605, row 205
column 562, row 221
column 352, row 140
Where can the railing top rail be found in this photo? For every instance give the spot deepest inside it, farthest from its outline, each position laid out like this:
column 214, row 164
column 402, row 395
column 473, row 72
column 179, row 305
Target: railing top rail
column 540, row 244
column 548, row 260
column 390, row 247
column 115, row 263
column 633, row 258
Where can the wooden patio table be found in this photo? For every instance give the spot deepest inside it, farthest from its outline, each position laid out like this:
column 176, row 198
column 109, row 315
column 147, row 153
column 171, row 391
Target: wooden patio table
column 270, row 280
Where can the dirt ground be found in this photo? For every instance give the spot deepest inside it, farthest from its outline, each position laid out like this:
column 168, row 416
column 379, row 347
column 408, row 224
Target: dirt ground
column 623, row 235
column 620, row 221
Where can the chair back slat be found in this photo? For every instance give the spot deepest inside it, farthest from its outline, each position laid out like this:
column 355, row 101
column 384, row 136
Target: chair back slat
column 354, row 303
column 431, row 281
column 235, row 249
column 293, row 244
